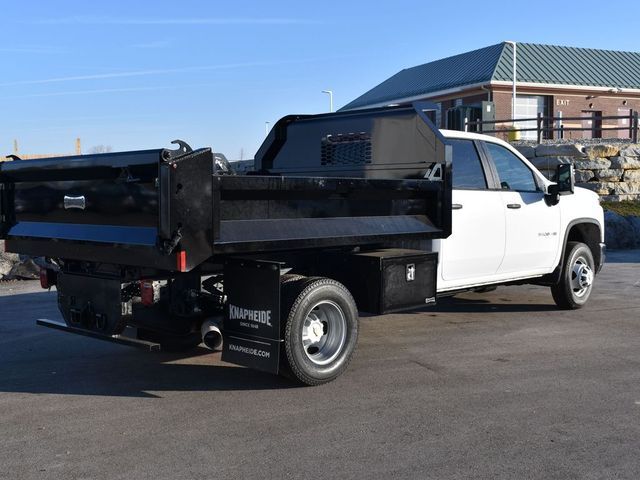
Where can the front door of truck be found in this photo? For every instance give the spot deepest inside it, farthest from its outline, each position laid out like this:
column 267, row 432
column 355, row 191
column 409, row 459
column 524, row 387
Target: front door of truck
column 532, row 226
column 474, row 250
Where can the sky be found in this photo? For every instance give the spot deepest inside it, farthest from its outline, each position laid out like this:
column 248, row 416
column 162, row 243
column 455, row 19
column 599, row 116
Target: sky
column 138, row 74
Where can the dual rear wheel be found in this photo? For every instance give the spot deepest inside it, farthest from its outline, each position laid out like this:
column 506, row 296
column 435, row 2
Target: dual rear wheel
column 320, row 329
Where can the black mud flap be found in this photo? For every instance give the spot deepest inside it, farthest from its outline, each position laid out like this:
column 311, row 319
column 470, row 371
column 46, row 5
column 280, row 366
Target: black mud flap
column 91, row 303
column 252, row 317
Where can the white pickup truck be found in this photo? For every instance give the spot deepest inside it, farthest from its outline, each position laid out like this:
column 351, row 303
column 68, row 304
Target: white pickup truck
column 505, row 228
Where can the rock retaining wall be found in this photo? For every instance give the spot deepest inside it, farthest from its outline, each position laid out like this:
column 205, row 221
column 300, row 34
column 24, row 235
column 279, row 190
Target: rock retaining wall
column 610, row 170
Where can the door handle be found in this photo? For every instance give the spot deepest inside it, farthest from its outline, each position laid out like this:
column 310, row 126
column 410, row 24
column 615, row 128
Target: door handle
column 513, row 205
column 456, row 206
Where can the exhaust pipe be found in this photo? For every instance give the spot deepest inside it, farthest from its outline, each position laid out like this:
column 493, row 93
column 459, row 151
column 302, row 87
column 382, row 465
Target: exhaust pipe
column 211, row 334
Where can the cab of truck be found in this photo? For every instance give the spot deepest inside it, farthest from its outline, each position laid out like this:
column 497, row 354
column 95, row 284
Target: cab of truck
column 510, row 223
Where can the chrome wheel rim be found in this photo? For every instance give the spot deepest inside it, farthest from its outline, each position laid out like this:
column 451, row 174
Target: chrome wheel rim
column 324, row 332
column 581, row 277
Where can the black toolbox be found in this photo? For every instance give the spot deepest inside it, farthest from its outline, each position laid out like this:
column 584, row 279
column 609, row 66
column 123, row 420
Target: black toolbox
column 388, row 280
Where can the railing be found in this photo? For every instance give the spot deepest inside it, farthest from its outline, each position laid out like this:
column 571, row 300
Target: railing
column 556, row 124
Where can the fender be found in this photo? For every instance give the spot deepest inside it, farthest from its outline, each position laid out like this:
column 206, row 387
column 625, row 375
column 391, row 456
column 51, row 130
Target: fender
column 598, row 253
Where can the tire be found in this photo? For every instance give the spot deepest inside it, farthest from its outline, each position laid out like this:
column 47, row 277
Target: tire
column 320, row 330
column 576, row 281
column 171, row 342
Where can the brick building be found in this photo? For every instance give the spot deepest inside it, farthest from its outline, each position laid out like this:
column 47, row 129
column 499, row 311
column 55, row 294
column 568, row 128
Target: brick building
column 552, row 81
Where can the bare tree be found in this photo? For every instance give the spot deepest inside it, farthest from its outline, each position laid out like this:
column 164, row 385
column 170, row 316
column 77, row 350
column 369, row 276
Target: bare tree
column 100, row 149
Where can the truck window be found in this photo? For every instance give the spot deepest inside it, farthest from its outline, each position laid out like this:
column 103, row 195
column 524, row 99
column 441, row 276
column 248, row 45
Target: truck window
column 466, row 166
column 513, row 173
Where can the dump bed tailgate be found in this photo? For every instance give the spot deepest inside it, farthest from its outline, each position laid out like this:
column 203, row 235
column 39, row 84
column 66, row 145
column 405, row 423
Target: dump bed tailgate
column 74, row 207
column 86, row 199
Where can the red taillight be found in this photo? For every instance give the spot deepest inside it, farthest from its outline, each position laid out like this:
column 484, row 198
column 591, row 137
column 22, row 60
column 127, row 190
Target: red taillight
column 181, row 259
column 146, row 292
column 47, row 278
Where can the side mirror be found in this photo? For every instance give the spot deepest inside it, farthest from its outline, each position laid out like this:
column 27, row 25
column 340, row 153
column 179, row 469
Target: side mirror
column 565, row 180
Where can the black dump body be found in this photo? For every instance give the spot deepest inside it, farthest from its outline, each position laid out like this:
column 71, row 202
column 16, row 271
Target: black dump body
column 341, row 179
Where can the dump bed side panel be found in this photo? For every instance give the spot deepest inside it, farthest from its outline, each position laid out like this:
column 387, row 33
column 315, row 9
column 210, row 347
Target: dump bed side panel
column 262, row 213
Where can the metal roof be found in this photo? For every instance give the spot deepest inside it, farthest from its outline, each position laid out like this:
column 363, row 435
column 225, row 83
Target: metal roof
column 542, row 64
column 553, row 64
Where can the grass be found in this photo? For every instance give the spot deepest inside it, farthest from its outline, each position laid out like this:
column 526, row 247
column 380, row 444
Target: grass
column 626, row 208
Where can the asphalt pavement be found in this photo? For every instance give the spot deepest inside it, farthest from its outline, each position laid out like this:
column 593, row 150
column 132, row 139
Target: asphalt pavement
column 499, row 385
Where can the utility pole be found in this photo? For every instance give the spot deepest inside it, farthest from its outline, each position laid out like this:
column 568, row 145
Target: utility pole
column 513, row 95
column 330, row 93
column 15, row 146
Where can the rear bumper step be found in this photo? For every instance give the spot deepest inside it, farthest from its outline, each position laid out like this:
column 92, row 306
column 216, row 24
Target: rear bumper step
column 120, row 339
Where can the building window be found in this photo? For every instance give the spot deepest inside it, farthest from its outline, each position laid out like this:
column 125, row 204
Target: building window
column 528, row 106
column 439, row 114
column 457, row 102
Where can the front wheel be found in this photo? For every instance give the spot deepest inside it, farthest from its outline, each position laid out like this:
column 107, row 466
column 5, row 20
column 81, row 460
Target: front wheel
column 321, row 329
column 576, row 282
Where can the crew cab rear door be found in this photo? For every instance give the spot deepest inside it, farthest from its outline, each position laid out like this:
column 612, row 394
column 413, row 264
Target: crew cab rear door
column 532, row 225
column 473, row 252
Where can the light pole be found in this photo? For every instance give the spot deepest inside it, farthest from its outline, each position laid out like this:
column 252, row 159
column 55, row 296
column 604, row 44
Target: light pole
column 513, row 96
column 330, row 93
column 266, row 129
